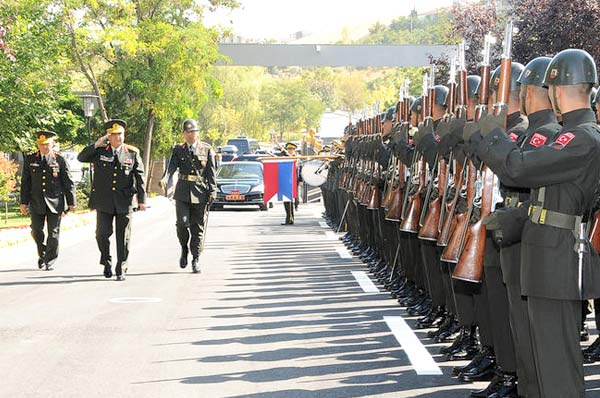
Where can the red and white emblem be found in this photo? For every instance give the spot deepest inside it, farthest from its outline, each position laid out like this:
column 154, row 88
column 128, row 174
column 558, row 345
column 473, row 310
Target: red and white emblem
column 513, row 136
column 553, row 73
column 563, row 140
column 537, row 140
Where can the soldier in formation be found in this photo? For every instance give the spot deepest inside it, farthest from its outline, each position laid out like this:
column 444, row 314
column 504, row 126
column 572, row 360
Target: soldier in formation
column 476, row 210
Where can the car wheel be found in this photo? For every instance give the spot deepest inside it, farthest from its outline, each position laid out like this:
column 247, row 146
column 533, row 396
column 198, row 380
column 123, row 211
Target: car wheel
column 263, row 207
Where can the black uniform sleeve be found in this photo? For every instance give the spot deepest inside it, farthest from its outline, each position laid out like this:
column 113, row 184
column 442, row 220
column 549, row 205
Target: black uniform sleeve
column 138, row 175
column 26, row 182
column 67, row 182
column 428, row 147
column 88, row 154
column 560, row 161
column 405, row 152
column 210, row 172
column 172, row 165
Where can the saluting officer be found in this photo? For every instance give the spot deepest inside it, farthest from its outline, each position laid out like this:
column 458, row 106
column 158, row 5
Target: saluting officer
column 195, row 190
column 46, row 185
column 118, row 178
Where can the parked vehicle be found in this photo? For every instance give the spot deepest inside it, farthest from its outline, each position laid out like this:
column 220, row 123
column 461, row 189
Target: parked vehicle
column 228, row 153
column 240, row 183
column 244, row 144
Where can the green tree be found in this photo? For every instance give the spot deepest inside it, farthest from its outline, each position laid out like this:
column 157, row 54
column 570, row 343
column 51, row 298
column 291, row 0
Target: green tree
column 156, row 56
column 34, row 78
column 352, row 92
column 289, row 106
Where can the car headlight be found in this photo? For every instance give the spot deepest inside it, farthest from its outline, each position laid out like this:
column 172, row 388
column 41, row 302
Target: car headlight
column 258, row 189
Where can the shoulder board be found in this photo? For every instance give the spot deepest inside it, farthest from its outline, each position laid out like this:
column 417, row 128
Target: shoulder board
column 132, row 148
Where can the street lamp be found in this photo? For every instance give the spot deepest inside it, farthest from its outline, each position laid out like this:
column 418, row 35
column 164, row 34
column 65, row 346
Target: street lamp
column 89, row 109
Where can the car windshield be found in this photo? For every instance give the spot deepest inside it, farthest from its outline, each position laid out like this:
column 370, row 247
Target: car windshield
column 240, row 170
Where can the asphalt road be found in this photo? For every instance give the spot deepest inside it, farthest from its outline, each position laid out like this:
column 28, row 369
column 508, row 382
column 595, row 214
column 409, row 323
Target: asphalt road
column 276, row 313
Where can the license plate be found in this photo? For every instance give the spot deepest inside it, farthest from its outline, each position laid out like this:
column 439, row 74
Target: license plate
column 235, row 195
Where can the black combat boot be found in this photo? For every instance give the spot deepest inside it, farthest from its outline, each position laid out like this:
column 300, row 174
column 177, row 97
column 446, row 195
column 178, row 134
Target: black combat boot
column 508, row 388
column 484, row 371
column 492, row 388
column 481, row 353
column 467, row 349
column 592, row 353
column 456, row 345
column 183, row 261
column 428, row 319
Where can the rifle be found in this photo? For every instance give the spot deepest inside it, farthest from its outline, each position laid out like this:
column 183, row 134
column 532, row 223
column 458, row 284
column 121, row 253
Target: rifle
column 431, row 227
column 411, row 208
column 388, row 188
column 375, row 195
column 447, row 221
column 398, row 193
column 470, row 264
column 458, row 233
column 594, row 234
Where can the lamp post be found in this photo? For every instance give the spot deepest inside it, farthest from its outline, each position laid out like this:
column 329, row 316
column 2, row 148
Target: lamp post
column 89, row 109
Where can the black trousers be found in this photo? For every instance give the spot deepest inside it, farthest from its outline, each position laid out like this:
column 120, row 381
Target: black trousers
column 104, row 230
column 433, row 270
column 191, row 219
column 47, row 248
column 500, row 319
column 554, row 326
column 289, row 212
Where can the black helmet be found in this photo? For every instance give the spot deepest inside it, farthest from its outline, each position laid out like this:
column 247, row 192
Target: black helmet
column 389, row 114
column 473, row 82
column 189, row 125
column 515, row 71
column 441, row 94
column 382, row 117
column 417, row 106
column 572, row 66
column 534, row 71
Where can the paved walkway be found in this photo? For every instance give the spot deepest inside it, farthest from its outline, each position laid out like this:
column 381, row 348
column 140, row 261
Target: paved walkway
column 278, row 312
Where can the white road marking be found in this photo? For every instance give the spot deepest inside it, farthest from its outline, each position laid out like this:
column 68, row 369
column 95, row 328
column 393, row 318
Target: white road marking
column 419, row 357
column 323, row 224
column 343, row 252
column 331, row 235
column 134, row 300
column 365, row 282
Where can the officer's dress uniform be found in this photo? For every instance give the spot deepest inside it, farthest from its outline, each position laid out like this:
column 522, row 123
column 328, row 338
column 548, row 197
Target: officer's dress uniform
column 196, row 186
column 47, row 188
column 118, row 178
column 563, row 175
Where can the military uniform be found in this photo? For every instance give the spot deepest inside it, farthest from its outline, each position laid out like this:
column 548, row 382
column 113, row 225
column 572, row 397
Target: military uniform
column 47, row 189
column 118, row 180
column 289, row 205
column 195, row 190
column 563, row 174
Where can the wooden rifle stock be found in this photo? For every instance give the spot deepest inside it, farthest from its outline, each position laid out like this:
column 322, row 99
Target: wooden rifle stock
column 410, row 223
column 429, row 230
column 449, row 220
column 595, row 232
column 454, row 246
column 470, row 264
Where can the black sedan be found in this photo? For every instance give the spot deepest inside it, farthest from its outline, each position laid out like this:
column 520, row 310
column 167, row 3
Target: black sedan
column 240, row 183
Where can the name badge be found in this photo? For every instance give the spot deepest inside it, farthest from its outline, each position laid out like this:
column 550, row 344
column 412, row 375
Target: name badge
column 34, row 164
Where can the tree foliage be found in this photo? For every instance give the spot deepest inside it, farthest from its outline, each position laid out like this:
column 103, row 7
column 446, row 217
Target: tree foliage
column 549, row 26
column 34, row 80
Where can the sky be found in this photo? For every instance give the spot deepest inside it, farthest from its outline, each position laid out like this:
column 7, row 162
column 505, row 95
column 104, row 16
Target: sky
column 279, row 19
